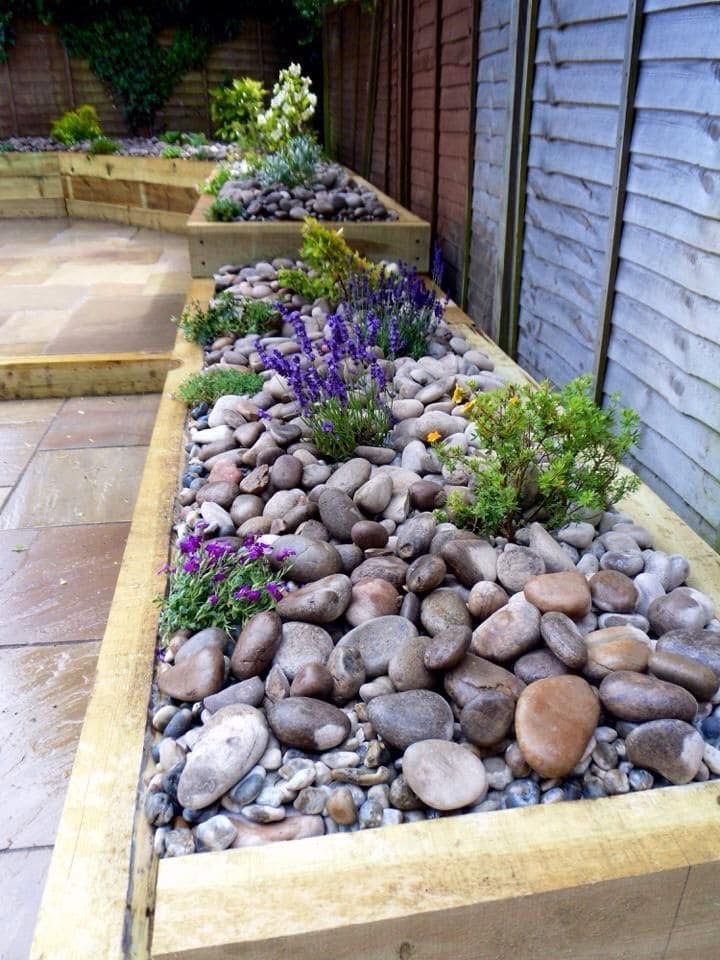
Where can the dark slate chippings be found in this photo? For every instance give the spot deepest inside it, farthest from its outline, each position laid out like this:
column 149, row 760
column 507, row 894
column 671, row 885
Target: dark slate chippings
column 294, row 783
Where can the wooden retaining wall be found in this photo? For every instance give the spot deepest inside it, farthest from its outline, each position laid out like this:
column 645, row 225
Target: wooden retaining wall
column 143, row 191
column 591, row 241
column 39, row 82
column 635, row 876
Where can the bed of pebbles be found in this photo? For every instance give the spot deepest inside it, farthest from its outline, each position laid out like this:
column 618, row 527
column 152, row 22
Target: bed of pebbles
column 128, row 147
column 414, row 670
column 333, row 196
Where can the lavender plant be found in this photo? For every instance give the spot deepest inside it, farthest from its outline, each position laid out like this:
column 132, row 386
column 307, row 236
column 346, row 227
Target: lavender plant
column 400, row 305
column 338, row 383
column 217, row 584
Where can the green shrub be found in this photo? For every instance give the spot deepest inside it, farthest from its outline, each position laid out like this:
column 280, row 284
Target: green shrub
column 194, row 139
column 170, row 136
column 332, row 261
column 172, row 152
column 294, row 164
column 291, row 107
column 235, row 108
column 545, row 455
column 5, row 147
column 225, row 316
column 217, row 382
column 224, row 210
column 217, row 178
column 77, row 125
column 101, row 146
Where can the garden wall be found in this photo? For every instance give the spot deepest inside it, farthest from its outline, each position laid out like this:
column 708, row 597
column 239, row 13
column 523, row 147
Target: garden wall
column 590, row 242
column 40, row 81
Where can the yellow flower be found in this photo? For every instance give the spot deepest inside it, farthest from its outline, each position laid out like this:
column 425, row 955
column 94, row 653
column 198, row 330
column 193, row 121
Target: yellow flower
column 433, row 436
column 514, row 399
column 458, row 394
column 468, row 406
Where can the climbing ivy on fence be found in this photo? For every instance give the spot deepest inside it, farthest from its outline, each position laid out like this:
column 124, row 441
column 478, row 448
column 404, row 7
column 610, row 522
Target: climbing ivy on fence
column 121, row 41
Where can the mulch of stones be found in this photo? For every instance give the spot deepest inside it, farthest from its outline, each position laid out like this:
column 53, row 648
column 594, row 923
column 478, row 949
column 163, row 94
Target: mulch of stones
column 414, row 670
column 128, row 147
column 333, row 196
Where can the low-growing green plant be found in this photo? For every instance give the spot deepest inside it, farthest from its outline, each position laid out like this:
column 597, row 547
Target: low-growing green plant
column 331, row 261
column 224, row 210
column 194, row 139
column 101, row 146
column 293, row 164
column 216, row 584
column 77, row 125
column 170, row 136
column 6, row 147
column 217, row 178
column 235, row 108
column 216, row 382
column 226, row 315
column 544, row 454
column 171, row 152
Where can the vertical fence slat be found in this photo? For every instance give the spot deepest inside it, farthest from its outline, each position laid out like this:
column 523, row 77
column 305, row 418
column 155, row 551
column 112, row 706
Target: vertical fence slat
column 436, row 120
column 617, row 200
column 467, row 239
column 13, row 105
column 373, row 70
column 509, row 342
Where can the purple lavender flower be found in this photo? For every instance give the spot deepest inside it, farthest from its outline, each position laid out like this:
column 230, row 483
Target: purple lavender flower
column 274, row 590
column 189, row 544
column 213, row 598
column 216, row 551
column 219, row 577
column 253, row 595
column 283, row 553
column 191, row 565
column 327, row 426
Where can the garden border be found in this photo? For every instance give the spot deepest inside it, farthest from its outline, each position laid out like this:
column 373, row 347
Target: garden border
column 640, row 872
column 213, row 244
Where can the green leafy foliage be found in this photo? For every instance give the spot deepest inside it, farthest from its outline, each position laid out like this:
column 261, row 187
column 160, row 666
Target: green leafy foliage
column 217, row 178
column 224, row 210
column 225, row 316
column 216, row 584
column 234, row 109
column 5, row 147
column 544, row 455
column 331, row 261
column 171, row 152
column 170, row 136
column 101, row 146
column 216, row 382
column 291, row 107
column 293, row 164
column 338, row 425
column 77, row 125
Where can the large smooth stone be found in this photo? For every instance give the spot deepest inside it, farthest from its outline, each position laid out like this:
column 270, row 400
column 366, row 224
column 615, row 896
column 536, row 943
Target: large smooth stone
column 680, row 610
column 672, row 748
column 554, row 720
column 516, row 565
column 223, row 755
column 250, row 691
column 307, row 723
column 291, row 828
column 613, row 592
column 699, row 679
column 368, row 534
column 470, row 560
column 301, row 644
column 616, row 648
column 338, row 513
column 350, row 476
column 305, row 560
column 564, row 639
column 404, row 718
column 347, row 672
column 371, row 598
column 415, row 536
column 444, row 775
column 508, row 633
column 256, row 645
column 320, row 602
column 442, row 609
column 537, row 665
column 377, row 640
column 286, row 472
column 407, row 668
column 374, row 496
column 566, row 592
column 425, row 574
column 389, row 568
column 700, row 645
column 447, row 648
column 221, row 492
column 209, row 637
column 542, row 543
column 638, row 697
column 196, row 676
column 312, row 680
column 474, row 674
column 487, row 718
column 485, row 598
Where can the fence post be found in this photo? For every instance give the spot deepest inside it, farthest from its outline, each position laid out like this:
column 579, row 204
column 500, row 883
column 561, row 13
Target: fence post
column 13, row 105
column 373, row 69
column 519, row 196
column 436, row 115
column 467, row 241
column 69, row 79
column 617, row 202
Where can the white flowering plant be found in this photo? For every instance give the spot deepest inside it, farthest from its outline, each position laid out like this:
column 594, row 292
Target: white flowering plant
column 291, row 107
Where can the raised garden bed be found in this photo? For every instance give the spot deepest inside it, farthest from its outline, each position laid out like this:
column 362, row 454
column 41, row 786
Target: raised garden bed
column 143, row 191
column 213, row 245
column 636, row 874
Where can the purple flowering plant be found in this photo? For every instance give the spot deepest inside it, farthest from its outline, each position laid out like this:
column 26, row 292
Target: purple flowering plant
column 338, row 382
column 397, row 308
column 218, row 584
